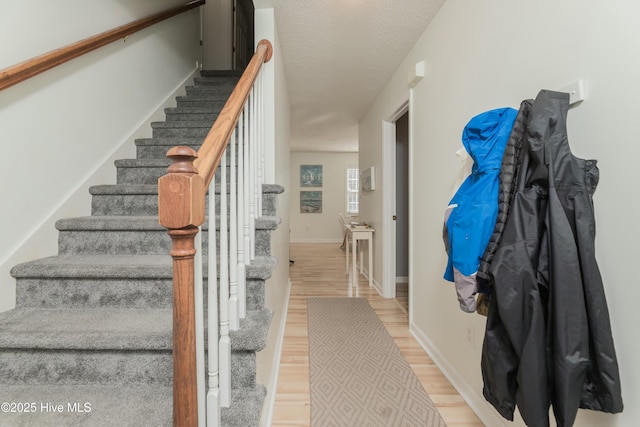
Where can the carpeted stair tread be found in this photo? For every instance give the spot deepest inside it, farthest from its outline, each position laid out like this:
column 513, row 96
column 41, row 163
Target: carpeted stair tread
column 93, row 329
column 205, row 81
column 168, row 141
column 139, row 223
column 192, row 110
column 253, row 331
column 143, row 163
column 209, row 116
column 121, row 266
column 123, row 406
column 192, row 102
column 86, row 329
column 245, row 408
column 221, row 73
column 215, row 76
column 202, row 100
column 266, row 222
column 224, row 90
column 182, row 124
column 272, row 189
column 215, row 81
column 218, row 97
column 118, row 189
column 97, row 266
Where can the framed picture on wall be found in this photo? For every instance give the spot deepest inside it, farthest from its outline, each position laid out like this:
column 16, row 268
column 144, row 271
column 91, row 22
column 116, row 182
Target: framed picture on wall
column 310, row 175
column 368, row 179
column 311, row 202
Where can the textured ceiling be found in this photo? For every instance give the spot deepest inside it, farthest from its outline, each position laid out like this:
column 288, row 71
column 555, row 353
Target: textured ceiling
column 338, row 54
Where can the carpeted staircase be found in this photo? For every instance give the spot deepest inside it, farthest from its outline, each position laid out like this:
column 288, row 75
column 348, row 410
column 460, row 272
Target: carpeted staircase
column 89, row 342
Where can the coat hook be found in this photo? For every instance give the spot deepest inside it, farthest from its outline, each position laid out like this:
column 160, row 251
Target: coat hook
column 575, row 91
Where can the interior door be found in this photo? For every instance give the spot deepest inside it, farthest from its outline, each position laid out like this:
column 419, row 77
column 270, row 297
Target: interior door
column 242, row 33
column 402, row 210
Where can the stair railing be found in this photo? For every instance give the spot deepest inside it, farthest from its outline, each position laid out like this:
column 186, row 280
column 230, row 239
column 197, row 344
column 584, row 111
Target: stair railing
column 32, row 67
column 181, row 205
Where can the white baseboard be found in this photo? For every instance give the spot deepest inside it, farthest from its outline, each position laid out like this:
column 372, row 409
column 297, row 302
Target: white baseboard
column 475, row 400
column 270, row 401
column 402, row 279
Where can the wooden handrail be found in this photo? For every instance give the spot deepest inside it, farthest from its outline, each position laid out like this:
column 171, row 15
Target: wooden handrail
column 210, row 152
column 181, row 209
column 34, row 66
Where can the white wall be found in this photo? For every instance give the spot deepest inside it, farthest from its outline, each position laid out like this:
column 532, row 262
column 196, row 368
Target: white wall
column 218, row 35
column 493, row 53
column 325, row 226
column 61, row 130
column 277, row 171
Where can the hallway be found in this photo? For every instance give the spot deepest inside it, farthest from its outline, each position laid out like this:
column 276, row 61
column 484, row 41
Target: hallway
column 319, row 270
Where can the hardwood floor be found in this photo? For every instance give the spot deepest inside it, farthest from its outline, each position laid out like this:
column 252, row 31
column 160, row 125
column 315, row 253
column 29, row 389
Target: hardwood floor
column 319, row 270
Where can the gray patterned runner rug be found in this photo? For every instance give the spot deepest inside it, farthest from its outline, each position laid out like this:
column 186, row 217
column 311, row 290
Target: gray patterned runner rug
column 358, row 375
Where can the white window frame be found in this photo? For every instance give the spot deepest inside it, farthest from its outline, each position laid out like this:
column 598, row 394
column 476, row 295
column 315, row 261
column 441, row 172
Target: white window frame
column 352, row 184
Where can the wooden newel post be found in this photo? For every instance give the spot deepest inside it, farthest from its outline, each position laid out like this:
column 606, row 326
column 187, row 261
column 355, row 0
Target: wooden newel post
column 181, row 210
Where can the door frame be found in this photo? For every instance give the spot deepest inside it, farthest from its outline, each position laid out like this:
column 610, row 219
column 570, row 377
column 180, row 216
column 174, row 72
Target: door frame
column 389, row 194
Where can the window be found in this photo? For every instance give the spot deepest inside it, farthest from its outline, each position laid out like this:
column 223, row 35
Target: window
column 352, row 191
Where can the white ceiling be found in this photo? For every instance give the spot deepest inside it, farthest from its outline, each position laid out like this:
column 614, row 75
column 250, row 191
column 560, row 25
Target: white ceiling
column 338, row 54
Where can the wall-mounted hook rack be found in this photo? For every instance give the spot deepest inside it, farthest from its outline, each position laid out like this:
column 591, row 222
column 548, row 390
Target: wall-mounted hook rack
column 575, row 91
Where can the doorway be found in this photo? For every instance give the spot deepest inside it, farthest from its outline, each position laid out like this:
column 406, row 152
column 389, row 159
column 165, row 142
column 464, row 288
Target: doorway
column 227, row 34
column 402, row 211
column 396, row 173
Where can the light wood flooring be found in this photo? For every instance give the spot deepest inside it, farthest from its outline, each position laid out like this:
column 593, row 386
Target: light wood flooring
column 319, row 270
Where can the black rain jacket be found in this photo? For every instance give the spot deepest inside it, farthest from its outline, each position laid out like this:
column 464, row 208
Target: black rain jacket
column 548, row 337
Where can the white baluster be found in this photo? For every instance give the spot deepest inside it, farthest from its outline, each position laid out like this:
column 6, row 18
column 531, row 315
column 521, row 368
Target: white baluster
column 213, row 394
column 225, row 342
column 242, row 280
column 198, row 284
column 253, row 174
column 261, row 139
column 256, row 159
column 247, row 186
column 234, row 313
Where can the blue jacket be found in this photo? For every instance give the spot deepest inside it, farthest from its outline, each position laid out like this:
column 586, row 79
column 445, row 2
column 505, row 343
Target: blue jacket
column 475, row 205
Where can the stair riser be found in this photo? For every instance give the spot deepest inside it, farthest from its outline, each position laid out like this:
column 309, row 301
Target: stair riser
column 219, row 93
column 243, row 369
column 191, row 117
column 26, row 366
column 209, row 96
column 158, row 151
column 113, row 368
column 215, row 81
column 125, row 242
column 147, row 204
column 105, row 293
column 181, row 132
column 146, row 175
column 213, row 106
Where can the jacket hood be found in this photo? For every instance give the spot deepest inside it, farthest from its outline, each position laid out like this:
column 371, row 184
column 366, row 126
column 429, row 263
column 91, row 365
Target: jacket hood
column 485, row 137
